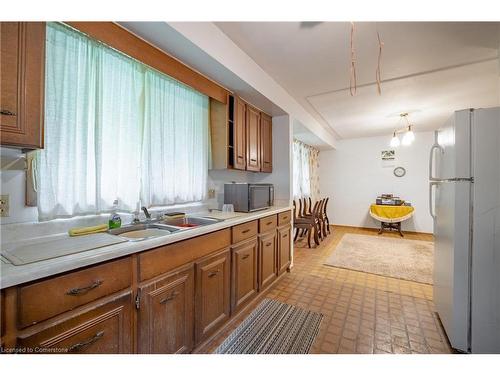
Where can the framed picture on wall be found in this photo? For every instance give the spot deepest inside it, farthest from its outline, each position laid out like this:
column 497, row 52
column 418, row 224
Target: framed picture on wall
column 388, row 158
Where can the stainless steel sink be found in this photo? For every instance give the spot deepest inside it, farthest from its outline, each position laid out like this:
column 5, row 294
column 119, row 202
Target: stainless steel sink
column 190, row 222
column 143, row 231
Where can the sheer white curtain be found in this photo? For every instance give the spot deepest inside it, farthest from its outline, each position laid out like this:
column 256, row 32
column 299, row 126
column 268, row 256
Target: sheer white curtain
column 175, row 148
column 301, row 177
column 92, row 127
column 115, row 129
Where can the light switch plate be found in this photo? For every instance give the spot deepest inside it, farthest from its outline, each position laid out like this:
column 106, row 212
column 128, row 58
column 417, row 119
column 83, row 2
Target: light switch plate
column 4, row 205
column 211, row 193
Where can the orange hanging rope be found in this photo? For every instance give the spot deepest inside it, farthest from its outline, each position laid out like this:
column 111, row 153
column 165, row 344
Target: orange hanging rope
column 352, row 78
column 377, row 71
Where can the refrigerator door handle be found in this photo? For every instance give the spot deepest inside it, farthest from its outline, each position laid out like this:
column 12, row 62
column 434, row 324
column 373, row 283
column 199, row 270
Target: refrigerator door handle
column 431, row 160
column 431, row 206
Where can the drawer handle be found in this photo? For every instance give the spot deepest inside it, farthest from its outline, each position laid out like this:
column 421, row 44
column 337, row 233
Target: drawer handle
column 245, row 231
column 240, row 157
column 253, row 159
column 285, row 217
column 245, row 256
column 213, row 273
column 269, row 223
column 6, row 112
column 85, row 289
column 269, row 244
column 285, row 235
column 81, row 345
column 170, row 297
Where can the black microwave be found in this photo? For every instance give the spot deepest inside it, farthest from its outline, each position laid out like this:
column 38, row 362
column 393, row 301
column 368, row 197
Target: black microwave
column 249, row 197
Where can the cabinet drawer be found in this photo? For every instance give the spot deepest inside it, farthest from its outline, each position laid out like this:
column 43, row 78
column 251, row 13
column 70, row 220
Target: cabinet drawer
column 105, row 329
column 167, row 258
column 268, row 223
column 284, row 218
column 45, row 299
column 244, row 231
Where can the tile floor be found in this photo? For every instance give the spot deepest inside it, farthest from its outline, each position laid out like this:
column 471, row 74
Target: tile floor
column 363, row 313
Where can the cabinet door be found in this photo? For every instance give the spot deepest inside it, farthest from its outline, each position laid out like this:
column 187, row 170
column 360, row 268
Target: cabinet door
column 267, row 259
column 105, row 329
column 284, row 255
column 253, row 139
column 22, row 72
column 266, row 143
column 239, row 141
column 165, row 319
column 212, row 306
column 244, row 274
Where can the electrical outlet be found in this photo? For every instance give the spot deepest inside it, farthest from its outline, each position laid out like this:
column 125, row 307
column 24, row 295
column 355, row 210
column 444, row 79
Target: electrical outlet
column 4, row 205
column 211, row 193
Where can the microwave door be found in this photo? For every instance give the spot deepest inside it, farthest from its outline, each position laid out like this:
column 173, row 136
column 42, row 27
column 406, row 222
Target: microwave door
column 258, row 197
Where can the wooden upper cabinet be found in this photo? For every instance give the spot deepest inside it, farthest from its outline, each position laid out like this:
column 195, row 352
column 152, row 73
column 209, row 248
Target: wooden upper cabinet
column 253, row 139
column 239, row 135
column 22, row 72
column 266, row 143
column 212, row 301
column 165, row 318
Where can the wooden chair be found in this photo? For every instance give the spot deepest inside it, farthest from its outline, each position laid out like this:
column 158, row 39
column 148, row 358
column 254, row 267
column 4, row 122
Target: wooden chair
column 325, row 215
column 309, row 224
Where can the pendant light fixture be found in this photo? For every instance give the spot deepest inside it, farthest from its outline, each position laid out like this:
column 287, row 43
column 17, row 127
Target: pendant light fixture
column 394, row 141
column 408, row 136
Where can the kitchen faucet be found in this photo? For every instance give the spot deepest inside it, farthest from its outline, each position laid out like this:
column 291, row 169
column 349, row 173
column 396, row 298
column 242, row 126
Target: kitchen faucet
column 146, row 213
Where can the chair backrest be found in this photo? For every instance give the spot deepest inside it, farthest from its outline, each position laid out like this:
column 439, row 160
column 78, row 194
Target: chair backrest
column 310, row 205
column 325, row 205
column 294, row 209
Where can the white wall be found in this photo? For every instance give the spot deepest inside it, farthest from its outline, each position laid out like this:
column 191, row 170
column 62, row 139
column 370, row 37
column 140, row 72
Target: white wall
column 353, row 176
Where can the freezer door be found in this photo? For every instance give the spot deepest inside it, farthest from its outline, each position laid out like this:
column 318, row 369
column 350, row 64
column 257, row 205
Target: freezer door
column 451, row 260
column 454, row 138
column 486, row 232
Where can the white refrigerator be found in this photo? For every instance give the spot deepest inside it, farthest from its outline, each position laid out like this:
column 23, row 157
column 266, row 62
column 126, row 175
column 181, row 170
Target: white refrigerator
column 464, row 201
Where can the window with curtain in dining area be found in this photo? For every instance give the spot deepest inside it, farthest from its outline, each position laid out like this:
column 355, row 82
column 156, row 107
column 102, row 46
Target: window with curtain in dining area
column 305, row 171
column 116, row 129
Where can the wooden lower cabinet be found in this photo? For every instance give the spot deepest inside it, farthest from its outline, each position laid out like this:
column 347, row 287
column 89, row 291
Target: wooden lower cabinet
column 212, row 302
column 244, row 275
column 267, row 259
column 104, row 329
column 165, row 318
column 284, row 254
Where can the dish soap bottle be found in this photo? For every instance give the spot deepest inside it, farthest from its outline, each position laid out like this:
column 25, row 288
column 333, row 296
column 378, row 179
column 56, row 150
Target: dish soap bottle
column 115, row 220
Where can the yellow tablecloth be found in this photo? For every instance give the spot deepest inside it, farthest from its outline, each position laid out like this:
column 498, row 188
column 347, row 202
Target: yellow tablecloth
column 391, row 214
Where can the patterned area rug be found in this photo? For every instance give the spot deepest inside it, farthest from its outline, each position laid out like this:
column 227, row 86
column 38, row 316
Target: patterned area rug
column 274, row 328
column 394, row 257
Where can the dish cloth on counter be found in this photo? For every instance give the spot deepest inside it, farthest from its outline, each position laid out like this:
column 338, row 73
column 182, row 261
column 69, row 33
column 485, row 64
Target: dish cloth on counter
column 391, row 214
column 80, row 231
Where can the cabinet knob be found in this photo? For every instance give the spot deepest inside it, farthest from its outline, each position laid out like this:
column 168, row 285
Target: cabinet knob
column 213, row 273
column 6, row 112
column 172, row 296
column 82, row 344
column 85, row 289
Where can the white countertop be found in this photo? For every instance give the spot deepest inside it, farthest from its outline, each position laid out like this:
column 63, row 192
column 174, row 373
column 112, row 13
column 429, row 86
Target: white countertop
column 13, row 275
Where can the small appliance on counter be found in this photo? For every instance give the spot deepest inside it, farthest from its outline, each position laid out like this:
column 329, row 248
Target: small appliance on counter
column 389, row 200
column 247, row 197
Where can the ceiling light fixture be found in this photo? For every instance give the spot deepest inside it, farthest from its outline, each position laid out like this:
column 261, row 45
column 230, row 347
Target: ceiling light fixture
column 408, row 136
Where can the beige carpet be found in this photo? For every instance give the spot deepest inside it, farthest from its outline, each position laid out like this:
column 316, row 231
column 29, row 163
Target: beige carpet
column 394, row 257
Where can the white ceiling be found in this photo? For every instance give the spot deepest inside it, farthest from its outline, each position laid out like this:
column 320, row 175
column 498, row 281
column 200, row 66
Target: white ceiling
column 429, row 69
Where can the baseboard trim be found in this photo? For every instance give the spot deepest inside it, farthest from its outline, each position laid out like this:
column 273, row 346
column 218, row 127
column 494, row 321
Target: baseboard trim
column 375, row 229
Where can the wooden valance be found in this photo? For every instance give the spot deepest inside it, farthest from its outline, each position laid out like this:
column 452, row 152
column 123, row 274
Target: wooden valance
column 124, row 41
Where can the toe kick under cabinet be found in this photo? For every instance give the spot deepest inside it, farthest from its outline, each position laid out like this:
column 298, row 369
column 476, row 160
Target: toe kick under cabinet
column 170, row 299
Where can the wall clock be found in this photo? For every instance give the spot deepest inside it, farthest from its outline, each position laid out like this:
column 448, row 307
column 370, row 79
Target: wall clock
column 399, row 171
